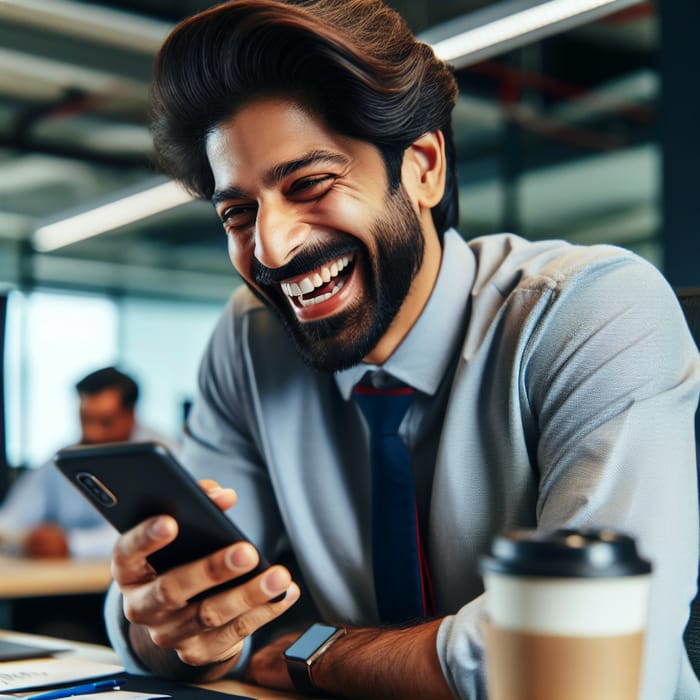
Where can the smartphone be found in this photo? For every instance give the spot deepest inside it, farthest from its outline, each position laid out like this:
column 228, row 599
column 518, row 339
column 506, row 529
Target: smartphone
column 129, row 482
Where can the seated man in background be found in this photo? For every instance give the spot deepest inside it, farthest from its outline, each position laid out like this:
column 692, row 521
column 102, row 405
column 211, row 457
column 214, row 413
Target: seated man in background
column 43, row 511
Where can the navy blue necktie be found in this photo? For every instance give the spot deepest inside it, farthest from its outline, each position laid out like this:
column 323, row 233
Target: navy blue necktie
column 396, row 549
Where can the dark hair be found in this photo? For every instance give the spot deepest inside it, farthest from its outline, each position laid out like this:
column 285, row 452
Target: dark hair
column 354, row 63
column 110, row 378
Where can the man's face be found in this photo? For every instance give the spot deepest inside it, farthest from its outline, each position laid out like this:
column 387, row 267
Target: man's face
column 314, row 231
column 103, row 418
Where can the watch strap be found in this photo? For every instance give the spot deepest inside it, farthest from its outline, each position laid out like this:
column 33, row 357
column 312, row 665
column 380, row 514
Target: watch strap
column 300, row 674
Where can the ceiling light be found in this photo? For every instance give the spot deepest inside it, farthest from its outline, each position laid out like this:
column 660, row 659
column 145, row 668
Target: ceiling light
column 88, row 21
column 109, row 216
column 507, row 25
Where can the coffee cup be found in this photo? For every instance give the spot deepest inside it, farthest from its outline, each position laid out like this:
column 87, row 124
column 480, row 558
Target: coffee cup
column 567, row 612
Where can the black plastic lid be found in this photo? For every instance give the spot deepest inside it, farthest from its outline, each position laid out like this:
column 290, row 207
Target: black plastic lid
column 564, row 553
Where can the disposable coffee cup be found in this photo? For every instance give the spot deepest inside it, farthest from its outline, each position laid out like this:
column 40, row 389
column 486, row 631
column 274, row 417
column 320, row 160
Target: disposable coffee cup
column 567, row 612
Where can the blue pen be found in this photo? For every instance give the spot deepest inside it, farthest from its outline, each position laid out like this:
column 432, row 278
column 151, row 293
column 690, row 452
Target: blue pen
column 86, row 689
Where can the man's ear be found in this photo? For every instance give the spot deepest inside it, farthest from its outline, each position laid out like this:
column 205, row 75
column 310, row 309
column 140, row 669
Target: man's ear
column 423, row 169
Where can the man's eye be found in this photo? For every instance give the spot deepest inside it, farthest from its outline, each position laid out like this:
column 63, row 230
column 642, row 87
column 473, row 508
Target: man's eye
column 238, row 216
column 312, row 187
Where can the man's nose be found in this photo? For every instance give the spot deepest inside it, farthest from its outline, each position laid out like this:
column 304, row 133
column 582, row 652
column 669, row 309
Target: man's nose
column 279, row 234
column 93, row 435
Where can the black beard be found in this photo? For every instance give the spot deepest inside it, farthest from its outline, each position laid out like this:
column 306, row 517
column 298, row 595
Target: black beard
column 344, row 339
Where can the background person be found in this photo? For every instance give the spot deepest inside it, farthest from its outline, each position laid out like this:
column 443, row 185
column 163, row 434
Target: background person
column 43, row 512
column 555, row 385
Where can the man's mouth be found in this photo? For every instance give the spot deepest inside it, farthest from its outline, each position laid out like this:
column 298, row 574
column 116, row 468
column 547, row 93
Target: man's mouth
column 319, row 285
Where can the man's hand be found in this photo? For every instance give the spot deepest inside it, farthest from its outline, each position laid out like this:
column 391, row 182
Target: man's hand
column 46, row 540
column 267, row 667
column 208, row 633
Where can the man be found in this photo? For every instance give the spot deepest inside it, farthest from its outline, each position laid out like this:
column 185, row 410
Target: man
column 554, row 385
column 47, row 513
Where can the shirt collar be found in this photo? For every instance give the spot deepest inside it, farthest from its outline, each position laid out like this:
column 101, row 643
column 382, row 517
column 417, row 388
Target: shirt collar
column 421, row 360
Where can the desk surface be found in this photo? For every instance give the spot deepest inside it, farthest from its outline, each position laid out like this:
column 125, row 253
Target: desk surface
column 93, row 652
column 21, row 577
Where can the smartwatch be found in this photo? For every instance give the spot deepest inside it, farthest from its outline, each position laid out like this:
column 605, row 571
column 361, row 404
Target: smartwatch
column 305, row 651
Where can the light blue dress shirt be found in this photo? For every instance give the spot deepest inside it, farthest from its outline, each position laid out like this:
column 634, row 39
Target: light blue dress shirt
column 556, row 388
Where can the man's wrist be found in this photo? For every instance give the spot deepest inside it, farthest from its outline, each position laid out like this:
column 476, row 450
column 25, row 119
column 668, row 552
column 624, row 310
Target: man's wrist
column 306, row 651
column 395, row 664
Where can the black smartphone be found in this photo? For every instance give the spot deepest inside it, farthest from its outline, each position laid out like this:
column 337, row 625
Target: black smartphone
column 129, row 482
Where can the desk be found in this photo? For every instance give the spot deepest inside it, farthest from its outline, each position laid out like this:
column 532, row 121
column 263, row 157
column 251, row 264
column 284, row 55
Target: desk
column 22, row 578
column 93, row 652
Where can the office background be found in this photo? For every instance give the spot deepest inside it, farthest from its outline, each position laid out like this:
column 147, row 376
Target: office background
column 584, row 131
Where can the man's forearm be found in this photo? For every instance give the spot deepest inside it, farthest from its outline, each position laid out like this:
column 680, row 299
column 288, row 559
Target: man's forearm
column 165, row 662
column 384, row 663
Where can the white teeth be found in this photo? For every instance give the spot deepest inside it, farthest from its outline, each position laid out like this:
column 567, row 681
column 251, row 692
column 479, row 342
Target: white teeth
column 307, row 285
column 291, row 289
column 322, row 297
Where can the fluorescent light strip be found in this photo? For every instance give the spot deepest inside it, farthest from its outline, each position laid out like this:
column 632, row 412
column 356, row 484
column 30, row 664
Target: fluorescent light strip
column 87, row 21
column 515, row 25
column 22, row 71
column 109, row 216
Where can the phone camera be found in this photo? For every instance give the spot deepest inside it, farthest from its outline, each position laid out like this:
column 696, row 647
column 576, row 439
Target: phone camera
column 97, row 489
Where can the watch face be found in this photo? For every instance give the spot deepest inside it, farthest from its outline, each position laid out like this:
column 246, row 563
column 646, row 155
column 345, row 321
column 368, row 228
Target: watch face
column 311, row 640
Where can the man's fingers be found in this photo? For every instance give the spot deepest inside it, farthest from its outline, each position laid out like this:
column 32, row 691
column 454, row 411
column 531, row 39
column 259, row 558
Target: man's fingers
column 172, row 590
column 199, row 651
column 230, row 609
column 254, row 618
column 128, row 560
column 223, row 497
column 206, row 484
column 129, row 563
column 220, row 609
column 225, row 640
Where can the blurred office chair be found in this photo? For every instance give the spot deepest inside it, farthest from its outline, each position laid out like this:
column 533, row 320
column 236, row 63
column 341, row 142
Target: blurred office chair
column 690, row 301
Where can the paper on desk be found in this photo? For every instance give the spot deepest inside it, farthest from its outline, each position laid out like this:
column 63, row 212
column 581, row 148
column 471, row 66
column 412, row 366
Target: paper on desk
column 38, row 673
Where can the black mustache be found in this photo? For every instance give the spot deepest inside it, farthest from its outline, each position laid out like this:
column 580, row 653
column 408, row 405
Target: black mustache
column 302, row 262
